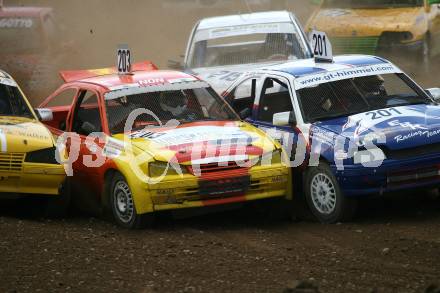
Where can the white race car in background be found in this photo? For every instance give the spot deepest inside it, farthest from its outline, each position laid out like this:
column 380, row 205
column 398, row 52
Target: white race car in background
column 220, row 49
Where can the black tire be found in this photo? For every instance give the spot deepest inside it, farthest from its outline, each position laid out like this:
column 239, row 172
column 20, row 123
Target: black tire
column 122, row 205
column 58, row 206
column 324, row 196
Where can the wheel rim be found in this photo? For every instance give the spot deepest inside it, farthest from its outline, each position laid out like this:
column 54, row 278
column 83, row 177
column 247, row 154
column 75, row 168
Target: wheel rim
column 123, row 202
column 323, row 193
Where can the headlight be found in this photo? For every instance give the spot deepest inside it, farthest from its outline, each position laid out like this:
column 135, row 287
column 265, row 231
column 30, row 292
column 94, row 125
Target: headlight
column 44, row 156
column 157, row 169
column 366, row 157
column 268, row 159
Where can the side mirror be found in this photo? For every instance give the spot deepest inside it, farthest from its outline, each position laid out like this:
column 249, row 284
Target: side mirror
column 176, row 65
column 284, row 119
column 245, row 113
column 87, row 128
column 434, row 93
column 44, row 114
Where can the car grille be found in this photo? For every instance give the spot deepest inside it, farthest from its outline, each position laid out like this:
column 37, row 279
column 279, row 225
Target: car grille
column 412, row 152
column 176, row 196
column 214, row 167
column 11, row 162
column 355, row 45
column 224, row 187
column 412, row 176
column 193, row 194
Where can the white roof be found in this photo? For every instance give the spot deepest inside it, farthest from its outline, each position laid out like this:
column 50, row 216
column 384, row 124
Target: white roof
column 245, row 19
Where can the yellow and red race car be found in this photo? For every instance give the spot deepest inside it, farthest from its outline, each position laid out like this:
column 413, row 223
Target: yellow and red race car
column 159, row 140
column 383, row 27
column 28, row 162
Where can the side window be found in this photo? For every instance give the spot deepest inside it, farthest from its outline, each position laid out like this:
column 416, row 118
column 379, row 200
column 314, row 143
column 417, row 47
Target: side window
column 275, row 98
column 86, row 117
column 64, row 98
column 243, row 96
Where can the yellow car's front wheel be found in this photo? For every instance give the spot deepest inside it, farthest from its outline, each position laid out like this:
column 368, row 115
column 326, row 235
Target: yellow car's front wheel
column 123, row 207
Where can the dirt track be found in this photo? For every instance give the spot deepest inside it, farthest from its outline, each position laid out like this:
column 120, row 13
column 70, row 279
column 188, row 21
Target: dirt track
column 392, row 246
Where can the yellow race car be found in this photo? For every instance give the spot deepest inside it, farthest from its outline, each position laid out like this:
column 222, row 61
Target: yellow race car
column 28, row 163
column 383, row 27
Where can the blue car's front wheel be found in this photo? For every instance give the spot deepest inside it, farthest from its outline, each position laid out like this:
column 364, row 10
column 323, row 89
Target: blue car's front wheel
column 324, row 196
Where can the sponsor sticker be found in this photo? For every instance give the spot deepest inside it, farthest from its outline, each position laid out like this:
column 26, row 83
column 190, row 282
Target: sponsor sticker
column 151, row 81
column 329, row 76
column 191, row 135
column 239, row 30
column 16, row 23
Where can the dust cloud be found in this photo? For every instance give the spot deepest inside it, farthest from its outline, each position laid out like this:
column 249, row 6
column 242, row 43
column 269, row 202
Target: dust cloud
column 90, row 30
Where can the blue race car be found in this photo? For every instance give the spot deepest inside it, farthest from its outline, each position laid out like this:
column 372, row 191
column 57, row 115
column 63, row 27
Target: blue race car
column 354, row 127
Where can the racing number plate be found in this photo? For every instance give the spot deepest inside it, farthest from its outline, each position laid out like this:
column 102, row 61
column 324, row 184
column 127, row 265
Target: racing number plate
column 223, row 187
column 124, row 59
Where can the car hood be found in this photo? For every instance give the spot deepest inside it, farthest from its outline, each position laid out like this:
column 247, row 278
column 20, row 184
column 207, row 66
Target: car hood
column 202, row 142
column 366, row 22
column 23, row 135
column 416, row 125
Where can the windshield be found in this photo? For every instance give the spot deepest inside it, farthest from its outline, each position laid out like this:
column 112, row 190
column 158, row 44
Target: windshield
column 356, row 95
column 12, row 102
column 23, row 35
column 190, row 105
column 372, row 3
column 232, row 49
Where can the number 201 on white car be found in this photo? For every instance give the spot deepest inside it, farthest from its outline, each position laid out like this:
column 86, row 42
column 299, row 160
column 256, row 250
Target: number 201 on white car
column 321, row 46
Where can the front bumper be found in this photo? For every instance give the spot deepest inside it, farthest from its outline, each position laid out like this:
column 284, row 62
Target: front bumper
column 181, row 193
column 399, row 48
column 373, row 45
column 392, row 175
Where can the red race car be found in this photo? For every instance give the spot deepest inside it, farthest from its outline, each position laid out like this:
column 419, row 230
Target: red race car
column 159, row 140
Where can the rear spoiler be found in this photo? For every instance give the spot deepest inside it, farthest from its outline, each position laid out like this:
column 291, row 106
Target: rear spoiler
column 74, row 75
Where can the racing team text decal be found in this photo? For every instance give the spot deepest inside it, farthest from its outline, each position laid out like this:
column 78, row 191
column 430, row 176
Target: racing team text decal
column 16, row 23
